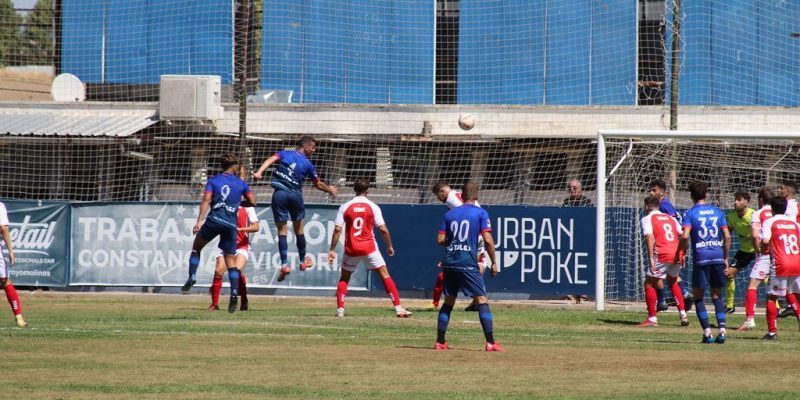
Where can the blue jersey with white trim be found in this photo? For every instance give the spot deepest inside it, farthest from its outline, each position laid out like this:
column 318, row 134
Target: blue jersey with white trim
column 226, row 196
column 706, row 222
column 462, row 227
column 292, row 170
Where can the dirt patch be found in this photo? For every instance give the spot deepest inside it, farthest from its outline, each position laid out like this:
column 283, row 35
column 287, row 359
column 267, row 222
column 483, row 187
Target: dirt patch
column 24, row 86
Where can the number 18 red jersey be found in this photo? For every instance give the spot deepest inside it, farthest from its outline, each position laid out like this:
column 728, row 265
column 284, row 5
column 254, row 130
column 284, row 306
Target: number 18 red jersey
column 783, row 233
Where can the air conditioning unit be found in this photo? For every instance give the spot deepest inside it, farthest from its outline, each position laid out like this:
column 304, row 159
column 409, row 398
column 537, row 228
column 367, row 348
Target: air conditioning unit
column 190, row 97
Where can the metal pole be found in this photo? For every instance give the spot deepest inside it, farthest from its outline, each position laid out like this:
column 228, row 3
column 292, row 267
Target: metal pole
column 674, row 80
column 600, row 255
column 241, row 41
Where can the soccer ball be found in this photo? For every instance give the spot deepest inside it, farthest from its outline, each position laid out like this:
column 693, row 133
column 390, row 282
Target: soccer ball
column 466, row 121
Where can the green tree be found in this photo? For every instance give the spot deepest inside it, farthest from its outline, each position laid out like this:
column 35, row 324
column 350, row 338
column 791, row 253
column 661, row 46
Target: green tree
column 9, row 33
column 38, row 35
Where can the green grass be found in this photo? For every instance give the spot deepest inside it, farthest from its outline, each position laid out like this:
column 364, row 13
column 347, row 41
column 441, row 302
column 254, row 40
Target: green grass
column 99, row 346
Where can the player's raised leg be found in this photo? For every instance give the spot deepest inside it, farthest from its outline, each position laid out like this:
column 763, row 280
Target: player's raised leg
column 194, row 260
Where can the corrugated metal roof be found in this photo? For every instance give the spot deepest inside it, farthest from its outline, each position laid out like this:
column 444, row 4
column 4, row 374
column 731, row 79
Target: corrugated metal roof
column 70, row 122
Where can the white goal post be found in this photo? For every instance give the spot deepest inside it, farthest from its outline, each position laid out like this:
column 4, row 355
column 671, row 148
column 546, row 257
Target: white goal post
column 627, row 160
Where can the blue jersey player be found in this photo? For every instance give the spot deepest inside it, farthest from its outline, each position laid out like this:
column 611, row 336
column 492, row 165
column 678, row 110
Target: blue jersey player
column 287, row 199
column 658, row 189
column 706, row 227
column 221, row 200
column 459, row 233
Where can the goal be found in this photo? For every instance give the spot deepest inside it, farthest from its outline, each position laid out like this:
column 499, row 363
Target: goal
column 627, row 161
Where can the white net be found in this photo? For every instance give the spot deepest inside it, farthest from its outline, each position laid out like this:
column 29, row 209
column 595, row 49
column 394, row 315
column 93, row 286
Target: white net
column 727, row 164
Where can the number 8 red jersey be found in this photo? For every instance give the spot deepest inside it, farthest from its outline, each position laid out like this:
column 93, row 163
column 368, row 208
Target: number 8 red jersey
column 783, row 233
column 666, row 231
column 358, row 217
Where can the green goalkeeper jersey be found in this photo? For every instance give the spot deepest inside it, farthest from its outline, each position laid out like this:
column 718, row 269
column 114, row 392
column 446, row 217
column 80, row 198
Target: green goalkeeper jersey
column 741, row 225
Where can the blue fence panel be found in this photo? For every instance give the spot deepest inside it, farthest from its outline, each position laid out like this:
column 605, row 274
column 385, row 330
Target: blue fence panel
column 82, row 39
column 211, row 40
column 567, row 76
column 734, row 45
column 126, row 42
column 501, row 52
column 613, row 59
column 696, row 41
column 778, row 72
column 282, row 52
column 411, row 52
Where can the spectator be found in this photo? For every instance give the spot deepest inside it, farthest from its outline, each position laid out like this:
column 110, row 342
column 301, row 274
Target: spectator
column 576, row 197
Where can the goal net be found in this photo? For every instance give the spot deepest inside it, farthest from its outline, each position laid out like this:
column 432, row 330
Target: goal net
column 630, row 160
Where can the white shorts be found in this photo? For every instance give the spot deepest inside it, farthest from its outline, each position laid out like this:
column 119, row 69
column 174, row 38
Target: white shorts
column 373, row 260
column 761, row 267
column 780, row 285
column 239, row 252
column 663, row 270
column 3, row 266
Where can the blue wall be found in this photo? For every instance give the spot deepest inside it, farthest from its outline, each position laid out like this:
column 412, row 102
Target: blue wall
column 568, row 52
column 147, row 38
column 356, row 51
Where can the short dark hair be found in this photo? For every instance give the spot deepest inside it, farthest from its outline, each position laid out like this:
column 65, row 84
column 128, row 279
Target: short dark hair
column 361, row 185
column 228, row 160
column 305, row 141
column 438, row 186
column 778, row 204
column 469, row 191
column 698, row 190
column 741, row 195
column 652, row 201
column 660, row 183
column 765, row 195
column 790, row 183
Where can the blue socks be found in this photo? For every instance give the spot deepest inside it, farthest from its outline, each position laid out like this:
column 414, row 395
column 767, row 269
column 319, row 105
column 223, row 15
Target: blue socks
column 485, row 315
column 233, row 276
column 301, row 247
column 194, row 262
column 283, row 249
column 720, row 311
column 702, row 314
column 444, row 320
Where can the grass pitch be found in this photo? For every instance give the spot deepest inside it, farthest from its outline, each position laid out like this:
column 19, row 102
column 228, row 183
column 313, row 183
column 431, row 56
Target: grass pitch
column 126, row 346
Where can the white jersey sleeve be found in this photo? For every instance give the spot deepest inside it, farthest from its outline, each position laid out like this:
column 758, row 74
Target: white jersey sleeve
column 339, row 221
column 791, row 208
column 3, row 215
column 647, row 226
column 454, row 199
column 766, row 229
column 377, row 214
column 252, row 217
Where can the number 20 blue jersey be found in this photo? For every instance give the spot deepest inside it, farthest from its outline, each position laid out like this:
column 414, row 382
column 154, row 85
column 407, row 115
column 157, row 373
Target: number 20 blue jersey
column 462, row 227
column 706, row 222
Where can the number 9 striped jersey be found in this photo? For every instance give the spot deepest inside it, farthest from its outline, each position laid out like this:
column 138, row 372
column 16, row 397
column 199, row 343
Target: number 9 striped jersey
column 358, row 217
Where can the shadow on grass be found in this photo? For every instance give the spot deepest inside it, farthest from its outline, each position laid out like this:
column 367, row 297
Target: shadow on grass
column 429, row 348
column 618, row 322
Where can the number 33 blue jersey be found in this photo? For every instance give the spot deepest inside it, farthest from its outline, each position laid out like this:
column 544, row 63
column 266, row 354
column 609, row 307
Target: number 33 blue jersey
column 706, row 222
column 462, row 227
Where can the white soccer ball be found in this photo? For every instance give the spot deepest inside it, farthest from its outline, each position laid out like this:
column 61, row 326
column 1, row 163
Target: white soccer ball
column 466, row 121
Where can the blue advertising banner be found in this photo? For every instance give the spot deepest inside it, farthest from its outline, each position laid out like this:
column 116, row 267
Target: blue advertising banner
column 136, row 244
column 40, row 235
column 544, row 252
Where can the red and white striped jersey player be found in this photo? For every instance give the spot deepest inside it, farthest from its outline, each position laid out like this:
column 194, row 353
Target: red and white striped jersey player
column 782, row 234
column 662, row 233
column 358, row 217
column 247, row 222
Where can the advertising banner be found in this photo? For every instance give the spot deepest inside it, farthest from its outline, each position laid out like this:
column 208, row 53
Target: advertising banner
column 40, row 235
column 135, row 244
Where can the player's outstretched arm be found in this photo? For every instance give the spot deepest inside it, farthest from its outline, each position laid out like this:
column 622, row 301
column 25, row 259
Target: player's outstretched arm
column 651, row 244
column 204, row 206
column 387, row 239
column 683, row 243
column 7, row 239
column 726, row 242
column 337, row 233
column 488, row 243
column 331, row 190
column 249, row 200
column 254, row 227
column 260, row 173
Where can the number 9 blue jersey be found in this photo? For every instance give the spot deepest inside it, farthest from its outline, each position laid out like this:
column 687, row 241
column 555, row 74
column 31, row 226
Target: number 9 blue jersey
column 462, row 227
column 706, row 223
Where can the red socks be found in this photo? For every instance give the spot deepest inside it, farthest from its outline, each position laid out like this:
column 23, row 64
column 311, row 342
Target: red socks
column 216, row 287
column 13, row 299
column 651, row 298
column 391, row 290
column 750, row 299
column 772, row 316
column 677, row 293
column 791, row 298
column 438, row 288
column 341, row 292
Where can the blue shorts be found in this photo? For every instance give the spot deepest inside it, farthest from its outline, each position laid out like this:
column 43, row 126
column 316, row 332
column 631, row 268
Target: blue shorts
column 227, row 235
column 469, row 281
column 287, row 206
column 705, row 275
